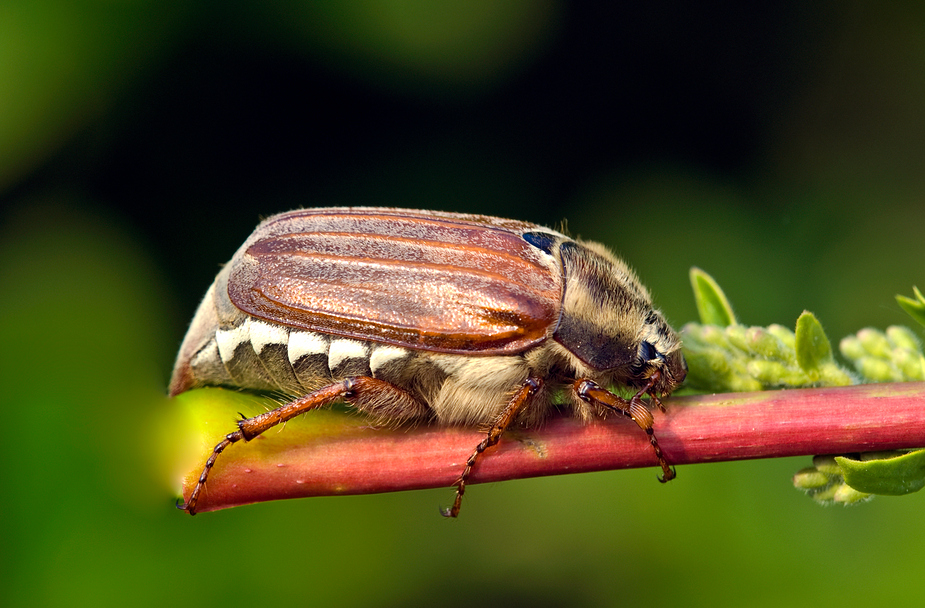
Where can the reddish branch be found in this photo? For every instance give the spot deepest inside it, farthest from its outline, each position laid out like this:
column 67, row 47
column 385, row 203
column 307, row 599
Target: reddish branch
column 705, row 428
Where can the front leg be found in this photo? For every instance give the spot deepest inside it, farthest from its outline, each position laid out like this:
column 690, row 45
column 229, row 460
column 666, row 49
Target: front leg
column 592, row 393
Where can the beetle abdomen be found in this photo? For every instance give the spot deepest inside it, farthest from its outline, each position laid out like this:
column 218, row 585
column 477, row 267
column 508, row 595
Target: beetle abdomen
column 262, row 356
column 265, row 356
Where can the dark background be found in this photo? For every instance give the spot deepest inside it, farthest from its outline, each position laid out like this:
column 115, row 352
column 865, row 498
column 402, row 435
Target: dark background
column 780, row 148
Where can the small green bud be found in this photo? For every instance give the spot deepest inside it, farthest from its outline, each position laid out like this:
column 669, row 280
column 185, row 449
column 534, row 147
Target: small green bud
column 784, row 334
column 846, row 495
column 739, row 381
column 852, row 348
column 764, row 343
column 735, row 334
column 877, row 370
column 692, row 333
column 826, row 495
column 715, row 336
column 902, row 337
column 833, row 375
column 810, row 478
column 910, row 364
column 770, row 373
column 707, row 362
column 874, row 342
column 827, row 464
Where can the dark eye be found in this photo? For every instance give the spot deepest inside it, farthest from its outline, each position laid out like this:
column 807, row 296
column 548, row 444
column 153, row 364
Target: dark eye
column 646, row 354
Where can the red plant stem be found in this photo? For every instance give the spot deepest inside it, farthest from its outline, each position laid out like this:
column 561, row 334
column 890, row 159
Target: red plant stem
column 697, row 429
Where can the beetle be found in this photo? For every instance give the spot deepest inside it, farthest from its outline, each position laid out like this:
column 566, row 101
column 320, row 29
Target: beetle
column 410, row 315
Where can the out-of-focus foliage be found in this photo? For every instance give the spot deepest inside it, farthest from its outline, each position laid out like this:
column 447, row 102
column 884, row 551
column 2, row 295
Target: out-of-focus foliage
column 61, row 65
column 915, row 307
column 422, row 46
column 65, row 64
column 891, row 356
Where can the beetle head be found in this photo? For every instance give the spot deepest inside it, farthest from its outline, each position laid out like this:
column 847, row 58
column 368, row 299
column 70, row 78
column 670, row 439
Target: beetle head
column 658, row 356
column 609, row 325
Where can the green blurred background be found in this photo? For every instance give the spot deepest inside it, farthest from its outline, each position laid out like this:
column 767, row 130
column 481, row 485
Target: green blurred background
column 781, row 148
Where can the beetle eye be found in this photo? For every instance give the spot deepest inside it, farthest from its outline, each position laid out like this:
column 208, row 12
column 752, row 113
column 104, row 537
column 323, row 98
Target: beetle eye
column 647, row 352
column 646, row 355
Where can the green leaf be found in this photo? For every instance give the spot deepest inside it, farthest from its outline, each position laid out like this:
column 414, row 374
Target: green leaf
column 915, row 308
column 812, row 345
column 889, row 476
column 712, row 305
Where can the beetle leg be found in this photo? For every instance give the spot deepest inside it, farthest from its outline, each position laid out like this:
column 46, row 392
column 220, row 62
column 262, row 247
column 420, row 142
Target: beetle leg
column 518, row 402
column 635, row 408
column 653, row 398
column 372, row 396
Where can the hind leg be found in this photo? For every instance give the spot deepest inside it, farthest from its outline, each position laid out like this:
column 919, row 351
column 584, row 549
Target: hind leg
column 374, row 397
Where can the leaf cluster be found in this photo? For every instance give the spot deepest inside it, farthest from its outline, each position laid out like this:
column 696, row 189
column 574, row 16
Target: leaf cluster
column 725, row 356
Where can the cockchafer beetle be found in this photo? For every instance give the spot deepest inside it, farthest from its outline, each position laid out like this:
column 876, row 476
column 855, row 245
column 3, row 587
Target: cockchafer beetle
column 426, row 315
